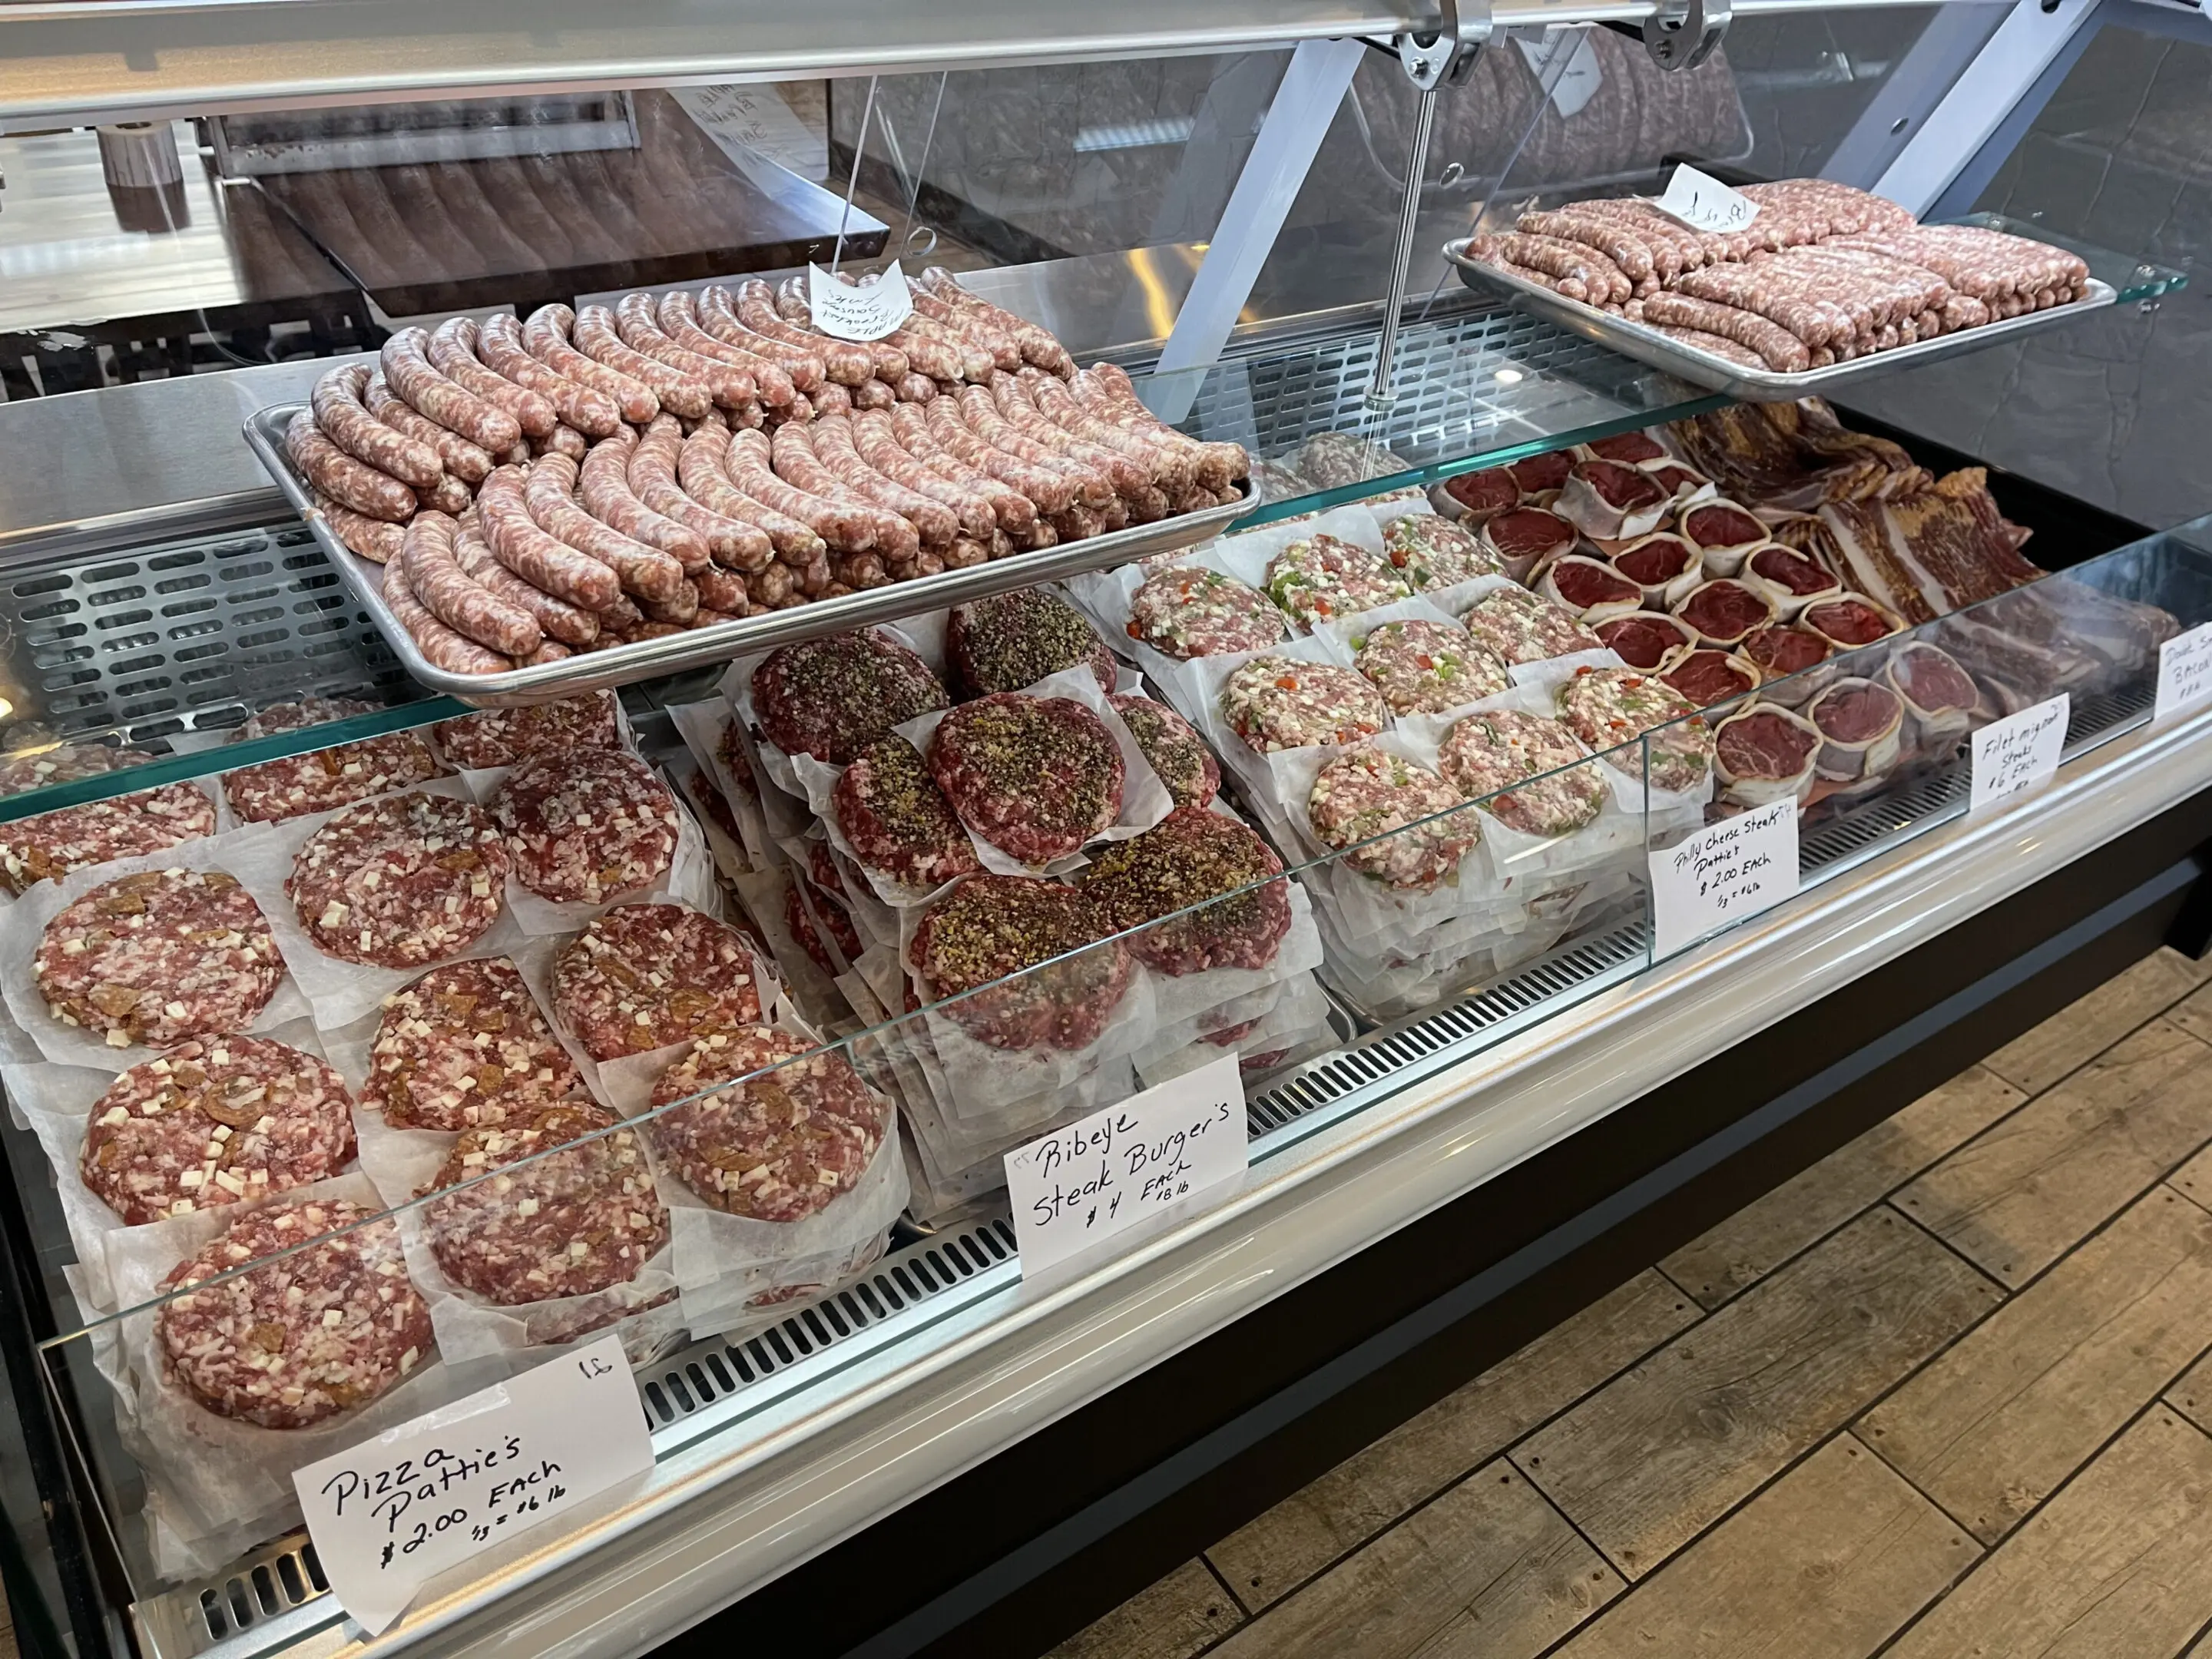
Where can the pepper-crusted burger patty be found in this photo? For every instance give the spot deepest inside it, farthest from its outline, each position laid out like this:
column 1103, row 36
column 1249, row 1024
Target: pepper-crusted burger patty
column 896, row 819
column 991, row 927
column 1036, row 777
column 1009, row 640
column 1191, row 856
column 832, row 698
column 1172, row 749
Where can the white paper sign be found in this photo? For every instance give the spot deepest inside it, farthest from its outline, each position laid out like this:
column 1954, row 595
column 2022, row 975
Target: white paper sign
column 754, row 123
column 1723, row 873
column 866, row 312
column 1081, row 1186
column 2018, row 751
column 1705, row 203
column 393, row 1513
column 1578, row 82
column 2185, row 672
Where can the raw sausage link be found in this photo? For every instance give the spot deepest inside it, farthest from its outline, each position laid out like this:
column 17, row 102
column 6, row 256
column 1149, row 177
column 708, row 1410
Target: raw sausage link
column 453, row 354
column 1107, row 389
column 470, row 463
column 1813, row 319
column 565, row 440
column 975, row 363
column 873, row 394
column 1037, row 343
column 540, row 559
column 1077, row 524
column 377, row 540
column 979, row 411
column 721, row 589
column 1777, row 347
column 718, row 316
column 587, row 408
column 834, row 445
column 346, row 481
column 1012, row 394
column 549, row 491
column 345, row 421
column 550, row 651
column 440, row 646
column 776, row 585
column 449, row 594
column 929, row 355
column 546, row 335
column 1013, row 510
column 1600, row 279
column 888, row 360
column 680, row 608
column 560, row 620
column 410, row 375
column 608, row 496
column 622, row 614
column 1050, row 490
column 639, row 330
column 963, row 554
column 597, row 338
column 878, row 443
column 679, row 321
column 916, row 388
column 842, row 362
column 654, row 463
column 750, row 465
column 1170, row 468
column 1003, row 350
column 792, row 457
column 451, row 496
column 1617, row 242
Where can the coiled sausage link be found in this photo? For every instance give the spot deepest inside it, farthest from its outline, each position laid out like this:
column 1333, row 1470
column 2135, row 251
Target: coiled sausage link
column 833, row 444
column 979, row 411
column 346, row 481
column 751, row 465
column 792, row 453
column 1050, row 490
column 639, row 327
column 568, row 623
column 717, row 314
column 1171, row 469
column 653, row 477
column 587, row 408
column 377, row 540
column 456, row 599
column 1012, row 394
column 345, row 419
column 745, row 542
column 604, row 483
column 452, row 351
column 546, row 337
column 842, row 362
column 679, row 321
column 441, row 647
column 470, row 463
column 408, row 369
column 1013, row 510
column 1037, row 343
column 879, row 445
column 541, row 559
column 597, row 338
column 549, row 491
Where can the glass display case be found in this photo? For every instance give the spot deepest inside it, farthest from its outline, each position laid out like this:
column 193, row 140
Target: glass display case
column 644, row 882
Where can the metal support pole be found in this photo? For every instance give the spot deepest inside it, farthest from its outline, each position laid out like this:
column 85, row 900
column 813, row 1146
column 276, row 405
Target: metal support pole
column 1379, row 391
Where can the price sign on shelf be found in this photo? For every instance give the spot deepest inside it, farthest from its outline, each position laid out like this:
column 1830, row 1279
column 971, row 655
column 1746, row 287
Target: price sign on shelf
column 1082, row 1185
column 2018, row 751
column 868, row 311
column 391, row 1514
column 1704, row 203
column 1723, row 873
column 2185, row 672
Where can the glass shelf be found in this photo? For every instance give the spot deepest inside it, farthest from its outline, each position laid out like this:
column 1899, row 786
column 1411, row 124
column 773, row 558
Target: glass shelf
column 2131, row 278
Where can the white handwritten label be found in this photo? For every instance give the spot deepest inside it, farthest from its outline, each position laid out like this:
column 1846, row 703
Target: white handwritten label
column 2018, row 751
column 1579, row 81
column 1705, row 203
column 2185, row 672
column 1723, row 873
column 757, row 122
column 1081, row 1186
column 866, row 311
column 391, row 1514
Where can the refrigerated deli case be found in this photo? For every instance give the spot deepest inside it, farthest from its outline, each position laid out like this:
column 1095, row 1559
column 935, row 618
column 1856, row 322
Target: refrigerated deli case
column 386, row 1020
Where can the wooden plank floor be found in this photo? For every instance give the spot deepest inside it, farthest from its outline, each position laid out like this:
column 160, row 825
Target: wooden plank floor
column 1947, row 1392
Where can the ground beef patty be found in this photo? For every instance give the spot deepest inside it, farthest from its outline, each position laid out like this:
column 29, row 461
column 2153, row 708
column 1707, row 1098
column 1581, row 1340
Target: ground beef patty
column 1186, row 613
column 159, row 956
column 586, row 827
column 779, row 1147
column 22, row 770
column 1430, row 551
column 302, row 1338
column 1426, row 667
column 464, row 1046
column 213, row 1121
column 1191, row 856
column 1324, row 577
column 580, row 1215
column 803, row 902
column 1171, row 749
column 832, row 698
column 991, row 927
column 52, row 844
column 1009, row 640
column 400, row 881
column 1036, row 777
column 1485, row 753
column 645, row 975
column 501, row 737
column 1280, row 702
column 323, row 778
column 1524, row 627
column 896, row 819
column 1366, row 793
column 1606, row 708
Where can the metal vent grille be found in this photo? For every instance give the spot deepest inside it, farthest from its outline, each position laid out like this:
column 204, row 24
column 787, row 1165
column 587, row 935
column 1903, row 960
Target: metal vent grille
column 188, row 634
column 284, row 1576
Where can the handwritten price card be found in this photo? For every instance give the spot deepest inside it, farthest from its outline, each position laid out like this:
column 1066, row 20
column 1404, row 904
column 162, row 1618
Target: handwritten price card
column 2018, row 751
column 1704, row 203
column 394, row 1512
column 1082, row 1185
column 1723, row 873
column 867, row 312
column 2185, row 672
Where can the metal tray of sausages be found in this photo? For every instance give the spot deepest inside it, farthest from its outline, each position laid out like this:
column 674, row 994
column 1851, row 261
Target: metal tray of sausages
column 1663, row 351
column 645, row 659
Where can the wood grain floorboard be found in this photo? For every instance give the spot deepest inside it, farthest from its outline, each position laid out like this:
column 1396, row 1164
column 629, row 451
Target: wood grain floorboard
column 2080, row 1032
column 1991, row 1426
column 2191, row 1395
column 2193, row 1014
column 1489, row 1570
column 1660, row 1453
column 1179, row 1616
column 2118, row 1564
column 1272, row 1556
column 2022, row 1193
column 1766, row 1232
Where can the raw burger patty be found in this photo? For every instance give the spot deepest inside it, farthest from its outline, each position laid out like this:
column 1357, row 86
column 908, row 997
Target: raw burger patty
column 323, row 778
column 586, row 827
column 1324, row 577
column 1430, row 551
column 213, row 1121
column 1606, row 708
column 1488, row 752
column 579, row 1216
column 778, row 1148
column 22, row 770
column 1191, row 856
column 301, row 1339
column 501, row 737
column 1010, row 641
column 832, row 698
column 992, row 926
column 1524, row 627
column 157, row 957
column 1189, row 612
column 1171, row 749
column 896, row 819
column 1279, row 702
column 52, row 844
column 1036, row 777
column 400, row 881
column 1426, row 667
column 802, row 903
column 464, row 1046
column 1366, row 792
column 645, row 975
